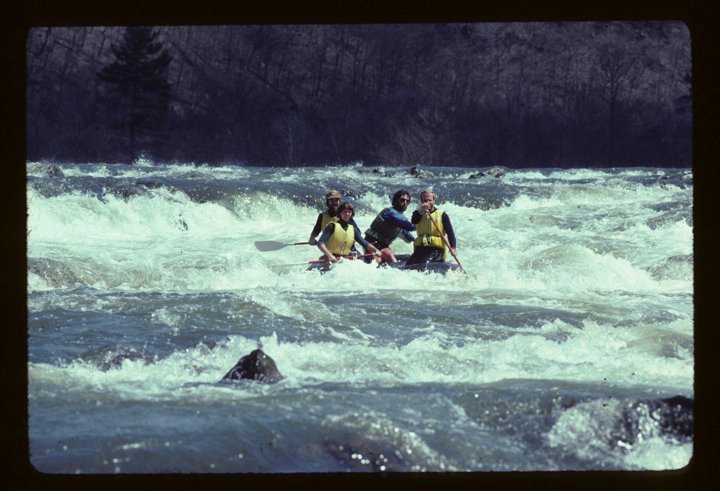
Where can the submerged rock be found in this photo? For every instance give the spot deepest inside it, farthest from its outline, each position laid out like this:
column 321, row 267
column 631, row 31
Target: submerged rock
column 112, row 358
column 674, row 416
column 53, row 170
column 497, row 171
column 55, row 272
column 678, row 179
column 674, row 267
column 140, row 187
column 380, row 171
column 255, row 366
column 47, row 170
column 637, row 420
column 492, row 172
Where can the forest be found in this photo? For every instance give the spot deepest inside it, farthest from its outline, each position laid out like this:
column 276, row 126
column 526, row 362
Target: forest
column 537, row 94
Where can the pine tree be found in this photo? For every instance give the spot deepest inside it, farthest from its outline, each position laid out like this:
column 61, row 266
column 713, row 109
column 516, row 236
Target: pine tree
column 138, row 98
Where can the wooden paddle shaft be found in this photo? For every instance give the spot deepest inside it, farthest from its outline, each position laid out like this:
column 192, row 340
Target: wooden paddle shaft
column 445, row 241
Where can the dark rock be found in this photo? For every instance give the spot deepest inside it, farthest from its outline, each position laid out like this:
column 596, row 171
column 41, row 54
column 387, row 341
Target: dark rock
column 255, row 366
column 380, row 171
column 681, row 180
column 676, row 416
column 637, row 419
column 55, row 272
column 112, row 358
column 53, row 170
column 150, row 183
column 141, row 187
column 126, row 190
column 496, row 171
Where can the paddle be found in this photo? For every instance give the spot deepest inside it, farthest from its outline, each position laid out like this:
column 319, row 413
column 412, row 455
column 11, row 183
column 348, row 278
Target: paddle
column 446, row 243
column 271, row 245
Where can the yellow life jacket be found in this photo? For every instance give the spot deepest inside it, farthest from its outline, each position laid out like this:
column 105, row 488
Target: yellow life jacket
column 341, row 240
column 428, row 235
column 327, row 219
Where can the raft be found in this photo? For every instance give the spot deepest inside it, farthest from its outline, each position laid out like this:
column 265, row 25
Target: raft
column 429, row 267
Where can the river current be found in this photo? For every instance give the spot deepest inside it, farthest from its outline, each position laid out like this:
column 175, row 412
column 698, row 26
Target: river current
column 554, row 352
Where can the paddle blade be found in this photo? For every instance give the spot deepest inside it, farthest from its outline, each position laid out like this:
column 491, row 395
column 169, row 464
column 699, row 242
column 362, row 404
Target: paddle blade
column 269, row 245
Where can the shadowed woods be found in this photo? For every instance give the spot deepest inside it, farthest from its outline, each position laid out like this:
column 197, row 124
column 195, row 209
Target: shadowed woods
column 520, row 94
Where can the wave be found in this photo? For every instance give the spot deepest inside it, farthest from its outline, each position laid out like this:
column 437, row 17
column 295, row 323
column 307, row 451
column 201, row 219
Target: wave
column 611, row 352
column 188, row 227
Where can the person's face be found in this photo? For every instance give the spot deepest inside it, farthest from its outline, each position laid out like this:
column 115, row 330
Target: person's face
column 403, row 202
column 332, row 203
column 346, row 214
column 430, row 199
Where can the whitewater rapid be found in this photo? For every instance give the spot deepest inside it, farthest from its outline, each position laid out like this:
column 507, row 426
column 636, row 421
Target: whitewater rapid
column 579, row 288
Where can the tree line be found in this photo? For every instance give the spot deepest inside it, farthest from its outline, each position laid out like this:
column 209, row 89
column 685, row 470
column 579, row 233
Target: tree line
column 515, row 94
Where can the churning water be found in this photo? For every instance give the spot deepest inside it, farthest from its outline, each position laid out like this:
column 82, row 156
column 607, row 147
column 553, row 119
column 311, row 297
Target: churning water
column 144, row 289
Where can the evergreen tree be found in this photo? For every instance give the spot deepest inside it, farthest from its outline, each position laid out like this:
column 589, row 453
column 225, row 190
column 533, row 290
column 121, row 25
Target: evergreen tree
column 138, row 98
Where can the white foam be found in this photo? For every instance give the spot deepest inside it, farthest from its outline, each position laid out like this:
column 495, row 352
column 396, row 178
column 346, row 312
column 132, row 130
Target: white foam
column 594, row 430
column 169, row 242
column 658, row 454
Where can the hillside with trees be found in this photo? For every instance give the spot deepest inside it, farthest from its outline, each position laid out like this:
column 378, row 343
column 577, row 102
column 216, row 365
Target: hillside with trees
column 516, row 94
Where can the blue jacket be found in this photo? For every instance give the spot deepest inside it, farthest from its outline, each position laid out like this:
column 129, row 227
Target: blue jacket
column 388, row 225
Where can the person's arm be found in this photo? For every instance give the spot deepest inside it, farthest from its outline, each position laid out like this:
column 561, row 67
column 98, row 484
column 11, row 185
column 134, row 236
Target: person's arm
column 324, row 238
column 366, row 245
column 447, row 225
column 315, row 230
column 326, row 233
column 396, row 218
column 357, row 233
column 328, row 255
column 416, row 217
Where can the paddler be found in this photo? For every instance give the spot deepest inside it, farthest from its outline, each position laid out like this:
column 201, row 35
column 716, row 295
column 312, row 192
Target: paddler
column 332, row 201
column 339, row 237
column 390, row 224
column 429, row 245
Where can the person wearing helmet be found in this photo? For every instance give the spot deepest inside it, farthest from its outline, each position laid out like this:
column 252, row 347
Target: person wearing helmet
column 339, row 237
column 390, row 224
column 429, row 245
column 332, row 201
